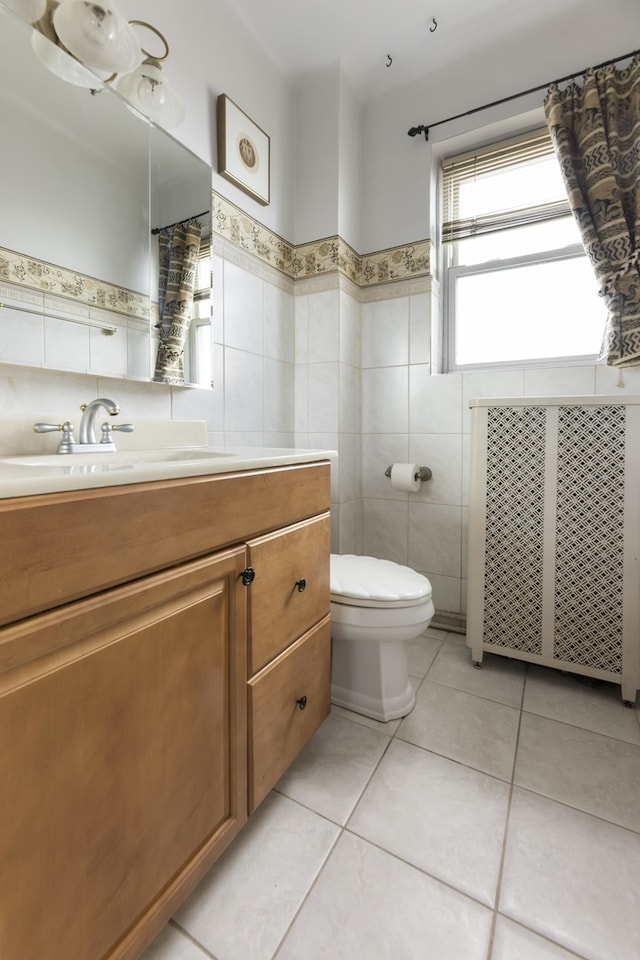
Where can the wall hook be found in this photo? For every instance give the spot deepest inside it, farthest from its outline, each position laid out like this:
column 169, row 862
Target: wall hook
column 435, row 25
column 389, row 60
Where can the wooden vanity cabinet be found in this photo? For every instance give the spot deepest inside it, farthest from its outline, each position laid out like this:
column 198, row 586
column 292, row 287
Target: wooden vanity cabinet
column 289, row 647
column 125, row 754
column 125, row 759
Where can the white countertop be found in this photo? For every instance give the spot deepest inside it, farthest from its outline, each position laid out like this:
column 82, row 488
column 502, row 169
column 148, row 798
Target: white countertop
column 29, row 474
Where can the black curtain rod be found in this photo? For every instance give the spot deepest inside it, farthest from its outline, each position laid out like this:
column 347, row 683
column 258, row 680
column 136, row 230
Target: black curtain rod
column 178, row 222
column 516, row 96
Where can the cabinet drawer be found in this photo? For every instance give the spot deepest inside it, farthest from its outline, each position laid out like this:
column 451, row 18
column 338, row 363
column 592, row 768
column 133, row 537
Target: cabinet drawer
column 291, row 589
column 278, row 728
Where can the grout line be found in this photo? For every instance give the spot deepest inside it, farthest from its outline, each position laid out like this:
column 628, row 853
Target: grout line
column 498, row 889
column 307, row 894
column 413, row 866
column 174, row 923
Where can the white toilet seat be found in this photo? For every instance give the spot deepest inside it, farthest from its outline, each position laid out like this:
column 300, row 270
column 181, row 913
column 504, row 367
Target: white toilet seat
column 371, row 582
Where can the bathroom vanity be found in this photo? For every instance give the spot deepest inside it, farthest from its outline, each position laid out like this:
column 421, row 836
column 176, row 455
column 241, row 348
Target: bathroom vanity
column 164, row 655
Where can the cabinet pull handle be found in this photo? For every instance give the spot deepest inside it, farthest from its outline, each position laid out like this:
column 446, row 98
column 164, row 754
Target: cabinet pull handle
column 301, row 584
column 248, row 576
column 302, row 702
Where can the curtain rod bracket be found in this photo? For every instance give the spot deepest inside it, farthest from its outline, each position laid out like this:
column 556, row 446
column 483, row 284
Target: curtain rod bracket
column 421, row 129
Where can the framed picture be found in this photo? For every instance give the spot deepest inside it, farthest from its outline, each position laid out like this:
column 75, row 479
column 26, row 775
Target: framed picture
column 243, row 151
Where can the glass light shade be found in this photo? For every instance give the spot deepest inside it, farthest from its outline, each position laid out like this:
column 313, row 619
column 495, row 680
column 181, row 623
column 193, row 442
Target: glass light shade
column 29, row 10
column 97, row 35
column 61, row 64
column 147, row 90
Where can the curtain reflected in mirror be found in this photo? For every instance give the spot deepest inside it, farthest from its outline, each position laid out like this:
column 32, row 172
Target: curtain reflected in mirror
column 179, row 248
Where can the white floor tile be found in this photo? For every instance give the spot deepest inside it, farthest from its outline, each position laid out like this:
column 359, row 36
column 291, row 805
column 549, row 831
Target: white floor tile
column 573, row 878
column 573, row 699
column 417, row 867
column 498, row 679
column 244, row 905
column 367, row 905
column 171, row 944
column 513, row 942
column 421, row 653
column 481, row 733
column 438, row 815
column 334, row 767
column 586, row 770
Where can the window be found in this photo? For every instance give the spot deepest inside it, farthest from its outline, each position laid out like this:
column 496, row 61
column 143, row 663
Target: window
column 519, row 287
column 199, row 344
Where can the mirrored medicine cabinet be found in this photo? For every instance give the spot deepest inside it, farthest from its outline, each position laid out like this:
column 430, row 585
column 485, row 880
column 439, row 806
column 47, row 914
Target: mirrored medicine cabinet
column 84, row 182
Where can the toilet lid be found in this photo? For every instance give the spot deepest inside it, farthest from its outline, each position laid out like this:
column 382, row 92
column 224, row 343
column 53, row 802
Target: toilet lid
column 370, row 581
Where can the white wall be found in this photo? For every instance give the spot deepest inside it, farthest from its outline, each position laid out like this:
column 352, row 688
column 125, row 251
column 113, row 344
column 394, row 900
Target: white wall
column 211, row 52
column 395, row 166
column 317, row 179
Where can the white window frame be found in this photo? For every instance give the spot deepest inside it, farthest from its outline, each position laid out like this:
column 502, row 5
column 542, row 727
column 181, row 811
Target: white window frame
column 452, row 272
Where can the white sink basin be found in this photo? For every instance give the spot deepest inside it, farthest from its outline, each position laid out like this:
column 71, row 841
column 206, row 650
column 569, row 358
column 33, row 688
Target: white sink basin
column 26, row 474
column 119, row 459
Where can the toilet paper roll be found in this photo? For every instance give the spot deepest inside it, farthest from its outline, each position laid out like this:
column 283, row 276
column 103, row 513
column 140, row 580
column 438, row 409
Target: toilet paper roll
column 404, row 476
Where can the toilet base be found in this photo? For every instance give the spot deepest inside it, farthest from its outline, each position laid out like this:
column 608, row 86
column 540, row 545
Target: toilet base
column 392, row 708
column 370, row 674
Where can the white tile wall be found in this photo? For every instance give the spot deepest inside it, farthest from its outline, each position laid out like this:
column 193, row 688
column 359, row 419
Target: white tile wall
column 430, row 425
column 323, row 370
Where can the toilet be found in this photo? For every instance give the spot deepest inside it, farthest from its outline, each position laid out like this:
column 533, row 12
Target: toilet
column 377, row 606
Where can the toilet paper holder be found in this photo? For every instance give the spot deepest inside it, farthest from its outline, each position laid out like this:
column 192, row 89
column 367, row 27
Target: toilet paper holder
column 424, row 473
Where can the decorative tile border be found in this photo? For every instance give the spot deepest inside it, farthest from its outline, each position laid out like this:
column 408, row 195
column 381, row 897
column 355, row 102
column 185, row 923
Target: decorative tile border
column 38, row 275
column 319, row 257
column 232, row 223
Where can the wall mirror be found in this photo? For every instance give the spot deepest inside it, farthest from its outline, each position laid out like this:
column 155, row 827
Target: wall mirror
column 84, row 182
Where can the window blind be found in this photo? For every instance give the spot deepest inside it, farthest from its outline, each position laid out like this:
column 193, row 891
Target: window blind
column 501, row 186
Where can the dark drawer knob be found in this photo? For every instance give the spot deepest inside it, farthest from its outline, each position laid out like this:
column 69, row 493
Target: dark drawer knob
column 302, row 702
column 248, row 576
column 301, row 584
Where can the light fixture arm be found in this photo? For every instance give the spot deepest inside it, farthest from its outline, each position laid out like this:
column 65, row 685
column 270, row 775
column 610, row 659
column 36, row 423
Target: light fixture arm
column 161, row 36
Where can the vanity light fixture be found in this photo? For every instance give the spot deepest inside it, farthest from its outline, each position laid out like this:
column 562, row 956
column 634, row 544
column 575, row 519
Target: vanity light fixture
column 96, row 35
column 147, row 89
column 91, row 44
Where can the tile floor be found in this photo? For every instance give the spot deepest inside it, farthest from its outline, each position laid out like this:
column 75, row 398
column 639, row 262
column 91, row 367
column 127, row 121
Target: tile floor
column 500, row 820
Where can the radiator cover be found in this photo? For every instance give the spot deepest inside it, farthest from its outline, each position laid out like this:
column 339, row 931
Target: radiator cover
column 554, row 534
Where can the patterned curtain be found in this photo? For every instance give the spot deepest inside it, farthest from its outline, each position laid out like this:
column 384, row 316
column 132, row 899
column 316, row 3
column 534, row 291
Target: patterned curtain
column 596, row 133
column 179, row 246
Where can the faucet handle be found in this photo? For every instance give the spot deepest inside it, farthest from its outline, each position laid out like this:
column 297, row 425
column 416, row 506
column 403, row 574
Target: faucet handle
column 68, row 439
column 107, row 430
column 48, row 427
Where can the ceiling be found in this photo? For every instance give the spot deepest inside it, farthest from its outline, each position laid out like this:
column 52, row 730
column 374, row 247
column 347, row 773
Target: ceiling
column 422, row 38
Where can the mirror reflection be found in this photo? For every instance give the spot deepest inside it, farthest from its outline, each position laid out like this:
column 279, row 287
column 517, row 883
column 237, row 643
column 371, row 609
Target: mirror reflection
column 98, row 207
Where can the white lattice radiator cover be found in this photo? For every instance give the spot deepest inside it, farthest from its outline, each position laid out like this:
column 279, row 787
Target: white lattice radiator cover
column 554, row 534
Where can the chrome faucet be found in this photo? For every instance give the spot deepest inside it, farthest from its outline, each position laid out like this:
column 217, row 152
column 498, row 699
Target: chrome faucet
column 89, row 413
column 88, row 442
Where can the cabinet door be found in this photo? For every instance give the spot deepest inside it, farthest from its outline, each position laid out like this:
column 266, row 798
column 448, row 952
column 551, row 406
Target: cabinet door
column 288, row 701
column 291, row 588
column 122, row 764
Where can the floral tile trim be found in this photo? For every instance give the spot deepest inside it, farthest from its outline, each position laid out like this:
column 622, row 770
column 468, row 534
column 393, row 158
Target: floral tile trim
column 321, row 256
column 232, row 223
column 38, row 275
column 315, row 259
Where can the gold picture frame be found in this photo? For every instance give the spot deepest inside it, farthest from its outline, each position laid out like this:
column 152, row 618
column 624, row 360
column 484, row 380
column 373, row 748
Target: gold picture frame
column 244, row 151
